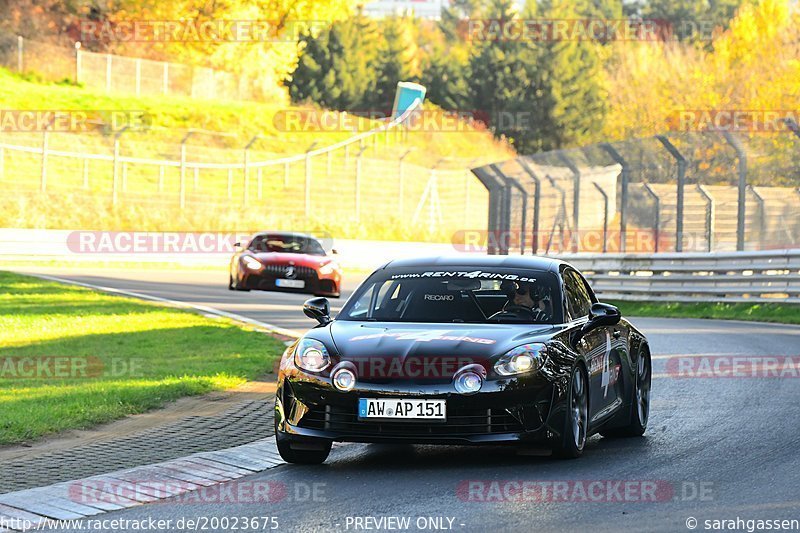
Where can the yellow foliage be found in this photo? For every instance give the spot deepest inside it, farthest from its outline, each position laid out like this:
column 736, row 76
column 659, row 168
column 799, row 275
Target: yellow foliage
column 753, row 65
column 265, row 62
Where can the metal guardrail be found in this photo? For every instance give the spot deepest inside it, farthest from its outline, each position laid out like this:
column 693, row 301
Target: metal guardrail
column 764, row 276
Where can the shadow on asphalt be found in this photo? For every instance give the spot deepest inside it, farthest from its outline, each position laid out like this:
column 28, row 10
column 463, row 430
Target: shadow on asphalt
column 403, row 457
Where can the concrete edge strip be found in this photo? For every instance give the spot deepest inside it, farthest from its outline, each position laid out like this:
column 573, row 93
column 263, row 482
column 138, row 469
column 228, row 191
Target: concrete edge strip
column 175, row 303
column 70, row 500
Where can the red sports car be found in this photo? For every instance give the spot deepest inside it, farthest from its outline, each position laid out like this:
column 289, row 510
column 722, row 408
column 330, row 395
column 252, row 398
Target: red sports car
column 287, row 262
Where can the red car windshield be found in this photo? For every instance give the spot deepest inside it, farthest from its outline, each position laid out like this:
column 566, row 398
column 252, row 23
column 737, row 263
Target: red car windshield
column 286, row 244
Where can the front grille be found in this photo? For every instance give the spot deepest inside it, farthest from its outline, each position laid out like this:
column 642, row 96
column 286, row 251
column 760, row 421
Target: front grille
column 460, row 422
column 279, row 271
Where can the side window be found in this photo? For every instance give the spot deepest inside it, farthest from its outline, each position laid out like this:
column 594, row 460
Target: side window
column 578, row 299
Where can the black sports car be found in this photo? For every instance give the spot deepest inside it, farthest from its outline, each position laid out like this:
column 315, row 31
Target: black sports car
column 464, row 350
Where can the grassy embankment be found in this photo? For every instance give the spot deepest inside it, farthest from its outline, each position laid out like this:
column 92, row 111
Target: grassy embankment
column 71, row 357
column 71, row 203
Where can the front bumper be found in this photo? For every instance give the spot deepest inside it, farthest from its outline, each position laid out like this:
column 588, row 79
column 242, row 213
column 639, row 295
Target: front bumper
column 530, row 410
column 314, row 284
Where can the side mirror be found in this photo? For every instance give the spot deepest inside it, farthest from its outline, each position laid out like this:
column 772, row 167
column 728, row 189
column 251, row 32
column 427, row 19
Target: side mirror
column 237, row 247
column 334, row 251
column 319, row 309
column 600, row 315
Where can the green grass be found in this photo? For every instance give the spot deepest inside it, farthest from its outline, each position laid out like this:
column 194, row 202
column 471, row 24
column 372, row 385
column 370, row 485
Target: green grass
column 758, row 312
column 174, row 353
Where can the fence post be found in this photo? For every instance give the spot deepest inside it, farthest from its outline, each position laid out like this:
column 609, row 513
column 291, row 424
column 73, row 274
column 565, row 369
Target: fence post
column 160, row 178
column 196, row 179
column 85, row 173
column 681, row 162
column 20, row 48
column 562, row 212
column 358, row 185
column 286, row 175
column 742, row 168
column 505, row 208
column 182, row 185
column 165, row 80
column 230, row 183
column 307, row 189
column 108, row 73
column 762, row 215
column 710, row 216
column 43, row 183
column 623, row 210
column 138, row 76
column 605, row 215
column 401, row 180
column 259, row 181
column 524, row 222
column 537, row 189
column 576, row 199
column 467, row 211
column 247, row 168
column 114, row 180
column 77, row 62
column 657, row 223
column 124, row 176
column 328, row 169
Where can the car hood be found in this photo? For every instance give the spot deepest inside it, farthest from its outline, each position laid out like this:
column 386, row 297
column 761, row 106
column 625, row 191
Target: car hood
column 441, row 349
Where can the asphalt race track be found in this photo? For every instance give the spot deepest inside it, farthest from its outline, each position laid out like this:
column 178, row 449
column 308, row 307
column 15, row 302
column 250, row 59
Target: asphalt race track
column 717, row 448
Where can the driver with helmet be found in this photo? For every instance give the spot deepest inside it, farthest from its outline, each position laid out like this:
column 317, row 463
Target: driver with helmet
column 526, row 300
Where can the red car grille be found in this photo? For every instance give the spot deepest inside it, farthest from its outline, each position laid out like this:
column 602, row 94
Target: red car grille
column 300, row 272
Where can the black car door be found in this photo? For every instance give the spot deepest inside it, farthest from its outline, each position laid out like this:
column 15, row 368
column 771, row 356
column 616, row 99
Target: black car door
column 596, row 346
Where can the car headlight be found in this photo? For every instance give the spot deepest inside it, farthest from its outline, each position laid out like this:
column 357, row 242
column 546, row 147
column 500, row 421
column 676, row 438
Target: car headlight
column 327, row 268
column 521, row 360
column 251, row 262
column 311, row 355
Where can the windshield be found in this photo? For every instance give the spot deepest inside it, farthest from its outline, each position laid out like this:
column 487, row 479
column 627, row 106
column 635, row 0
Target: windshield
column 287, row 244
column 463, row 295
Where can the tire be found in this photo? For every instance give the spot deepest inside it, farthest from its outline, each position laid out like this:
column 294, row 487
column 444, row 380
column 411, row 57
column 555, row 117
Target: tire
column 238, row 287
column 230, row 282
column 640, row 402
column 301, row 457
column 576, row 423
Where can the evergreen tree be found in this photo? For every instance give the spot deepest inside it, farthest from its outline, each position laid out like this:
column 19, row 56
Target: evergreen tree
column 572, row 86
column 398, row 59
column 691, row 20
column 337, row 69
column 503, row 77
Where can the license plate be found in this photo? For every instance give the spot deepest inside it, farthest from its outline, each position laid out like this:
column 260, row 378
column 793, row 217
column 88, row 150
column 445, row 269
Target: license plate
column 401, row 409
column 290, row 283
